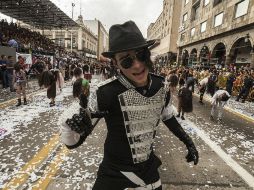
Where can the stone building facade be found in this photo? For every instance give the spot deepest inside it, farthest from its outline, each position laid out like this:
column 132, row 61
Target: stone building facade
column 165, row 31
column 98, row 29
column 84, row 41
column 216, row 32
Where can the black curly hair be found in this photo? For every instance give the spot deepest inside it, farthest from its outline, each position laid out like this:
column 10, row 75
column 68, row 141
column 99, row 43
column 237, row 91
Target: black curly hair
column 77, row 72
column 77, row 88
column 17, row 67
column 224, row 97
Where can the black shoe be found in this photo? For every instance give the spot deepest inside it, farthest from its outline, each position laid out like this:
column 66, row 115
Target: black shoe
column 51, row 104
column 243, row 101
column 25, row 102
column 178, row 115
column 202, row 103
column 19, row 103
column 182, row 117
column 237, row 100
column 211, row 118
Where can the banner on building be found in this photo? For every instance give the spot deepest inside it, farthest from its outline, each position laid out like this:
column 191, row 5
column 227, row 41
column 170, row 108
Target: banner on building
column 27, row 58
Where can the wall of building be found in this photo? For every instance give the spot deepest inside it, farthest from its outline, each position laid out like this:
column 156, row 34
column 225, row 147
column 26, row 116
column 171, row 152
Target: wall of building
column 207, row 13
column 166, row 29
column 231, row 30
column 97, row 27
column 92, row 25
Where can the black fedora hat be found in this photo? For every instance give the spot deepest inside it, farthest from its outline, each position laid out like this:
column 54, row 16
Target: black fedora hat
column 124, row 37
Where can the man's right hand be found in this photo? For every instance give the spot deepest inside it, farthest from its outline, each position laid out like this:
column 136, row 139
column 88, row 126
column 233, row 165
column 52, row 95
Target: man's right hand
column 81, row 123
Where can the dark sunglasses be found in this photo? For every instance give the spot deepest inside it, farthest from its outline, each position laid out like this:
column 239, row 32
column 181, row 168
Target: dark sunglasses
column 140, row 55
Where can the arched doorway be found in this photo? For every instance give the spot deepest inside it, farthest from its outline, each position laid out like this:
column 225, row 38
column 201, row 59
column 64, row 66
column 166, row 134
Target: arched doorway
column 204, row 57
column 218, row 56
column 193, row 59
column 185, row 58
column 240, row 52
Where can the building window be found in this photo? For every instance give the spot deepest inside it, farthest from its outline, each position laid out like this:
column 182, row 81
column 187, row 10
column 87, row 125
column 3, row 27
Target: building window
column 206, row 2
column 185, row 16
column 241, row 8
column 203, row 27
column 182, row 37
column 192, row 31
column 186, row 1
column 218, row 19
column 216, row 2
column 196, row 12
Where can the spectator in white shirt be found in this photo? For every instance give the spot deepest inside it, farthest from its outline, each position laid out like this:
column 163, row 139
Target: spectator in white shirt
column 219, row 100
column 202, row 89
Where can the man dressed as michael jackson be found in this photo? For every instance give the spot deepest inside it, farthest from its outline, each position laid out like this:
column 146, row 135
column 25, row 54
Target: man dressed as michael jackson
column 134, row 102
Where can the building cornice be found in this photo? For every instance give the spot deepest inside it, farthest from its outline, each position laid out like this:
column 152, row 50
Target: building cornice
column 221, row 35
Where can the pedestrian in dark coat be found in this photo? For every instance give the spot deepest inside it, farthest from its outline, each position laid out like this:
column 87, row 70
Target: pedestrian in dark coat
column 211, row 85
column 48, row 80
column 230, row 82
column 184, row 101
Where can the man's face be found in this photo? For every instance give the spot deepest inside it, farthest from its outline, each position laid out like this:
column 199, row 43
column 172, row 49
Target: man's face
column 137, row 72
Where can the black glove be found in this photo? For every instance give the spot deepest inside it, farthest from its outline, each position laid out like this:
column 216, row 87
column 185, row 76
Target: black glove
column 81, row 123
column 192, row 153
column 178, row 131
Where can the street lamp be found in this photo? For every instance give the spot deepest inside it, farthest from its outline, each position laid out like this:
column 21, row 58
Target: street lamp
column 73, row 5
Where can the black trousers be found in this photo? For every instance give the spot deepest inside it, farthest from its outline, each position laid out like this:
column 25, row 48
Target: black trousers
column 202, row 92
column 110, row 179
column 243, row 93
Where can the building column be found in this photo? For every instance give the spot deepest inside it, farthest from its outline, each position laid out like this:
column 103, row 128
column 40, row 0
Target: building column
column 80, row 39
column 228, row 60
column 66, row 36
column 252, row 59
column 54, row 35
column 179, row 58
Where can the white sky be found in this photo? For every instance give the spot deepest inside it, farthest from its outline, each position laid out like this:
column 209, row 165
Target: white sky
column 110, row 12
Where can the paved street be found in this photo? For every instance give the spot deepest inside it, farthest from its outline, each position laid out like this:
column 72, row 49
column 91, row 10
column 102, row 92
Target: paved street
column 33, row 158
column 196, row 48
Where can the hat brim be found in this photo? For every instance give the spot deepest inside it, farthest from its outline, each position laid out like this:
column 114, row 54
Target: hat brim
column 111, row 54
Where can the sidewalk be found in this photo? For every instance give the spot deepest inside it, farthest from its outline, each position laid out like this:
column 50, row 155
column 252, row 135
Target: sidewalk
column 6, row 95
column 245, row 110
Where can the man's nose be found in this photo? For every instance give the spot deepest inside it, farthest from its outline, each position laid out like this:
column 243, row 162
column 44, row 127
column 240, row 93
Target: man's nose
column 136, row 63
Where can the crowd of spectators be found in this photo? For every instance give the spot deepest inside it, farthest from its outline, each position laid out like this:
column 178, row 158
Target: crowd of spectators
column 24, row 40
column 45, row 54
column 238, row 82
